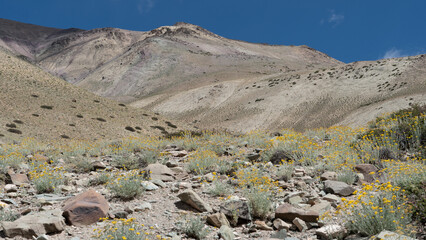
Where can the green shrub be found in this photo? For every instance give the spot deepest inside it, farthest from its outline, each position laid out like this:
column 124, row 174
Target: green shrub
column 195, row 228
column 8, row 215
column 220, row 189
column 101, row 179
column 260, row 201
column 127, row 186
column 202, row 162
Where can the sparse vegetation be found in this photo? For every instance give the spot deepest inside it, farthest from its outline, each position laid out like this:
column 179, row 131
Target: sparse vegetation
column 195, row 228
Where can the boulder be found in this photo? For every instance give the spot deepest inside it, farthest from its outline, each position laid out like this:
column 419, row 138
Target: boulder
column 288, row 213
column 160, row 172
column 368, row 171
column 192, row 199
column 236, row 210
column 85, row 208
column 35, row 224
column 338, row 188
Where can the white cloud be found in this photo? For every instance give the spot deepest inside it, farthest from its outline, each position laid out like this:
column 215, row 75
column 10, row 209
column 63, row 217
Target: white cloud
column 335, row 18
column 144, row 6
column 394, row 53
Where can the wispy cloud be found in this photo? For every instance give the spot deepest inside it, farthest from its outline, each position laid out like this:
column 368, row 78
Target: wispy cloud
column 394, row 53
column 335, row 18
column 144, row 6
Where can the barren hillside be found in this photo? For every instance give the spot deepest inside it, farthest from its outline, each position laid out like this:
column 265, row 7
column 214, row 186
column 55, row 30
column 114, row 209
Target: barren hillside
column 190, row 74
column 37, row 104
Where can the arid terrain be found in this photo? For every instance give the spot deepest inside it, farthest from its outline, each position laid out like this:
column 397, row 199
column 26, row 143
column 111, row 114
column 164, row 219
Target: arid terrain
column 178, row 133
column 189, row 74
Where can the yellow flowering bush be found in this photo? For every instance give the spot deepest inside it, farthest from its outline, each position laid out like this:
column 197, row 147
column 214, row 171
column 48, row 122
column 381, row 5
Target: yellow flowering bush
column 377, row 207
column 46, row 178
column 125, row 229
column 126, row 185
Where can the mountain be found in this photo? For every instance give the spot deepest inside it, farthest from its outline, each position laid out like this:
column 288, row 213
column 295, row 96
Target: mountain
column 192, row 75
column 36, row 104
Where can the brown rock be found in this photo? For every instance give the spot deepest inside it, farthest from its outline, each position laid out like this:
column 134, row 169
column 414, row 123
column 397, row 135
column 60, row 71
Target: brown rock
column 85, row 208
column 261, row 225
column 18, row 178
column 288, row 213
column 280, row 224
column 34, row 224
column 192, row 199
column 366, row 169
column 217, row 220
column 160, row 172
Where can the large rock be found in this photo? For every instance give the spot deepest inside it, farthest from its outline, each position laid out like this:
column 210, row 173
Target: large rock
column 35, row 224
column 217, row 220
column 192, row 199
column 328, row 176
column 288, row 213
column 236, row 210
column 161, row 172
column 331, row 232
column 388, row 235
column 338, row 188
column 225, row 232
column 321, row 207
column 85, row 208
column 368, row 171
column 18, row 178
column 279, row 156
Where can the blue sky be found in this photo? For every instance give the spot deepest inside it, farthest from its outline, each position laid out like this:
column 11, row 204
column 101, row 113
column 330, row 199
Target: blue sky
column 348, row 30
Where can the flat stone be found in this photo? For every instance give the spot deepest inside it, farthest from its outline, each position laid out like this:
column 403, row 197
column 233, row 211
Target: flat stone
column 331, row 232
column 159, row 183
column 182, row 153
column 295, row 200
column 300, row 224
column 217, row 220
column 280, row 224
column 328, row 175
column 287, row 212
column 35, row 224
column 160, row 171
column 191, row 198
column 149, row 186
column 51, row 197
column 10, row 188
column 281, row 234
column 85, row 208
column 261, row 225
column 388, row 235
column 321, row 207
column 143, row 206
column 338, row 188
column 18, row 178
column 332, row 198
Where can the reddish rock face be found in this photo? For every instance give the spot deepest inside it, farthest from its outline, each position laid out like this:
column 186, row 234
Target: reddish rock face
column 85, row 208
column 288, row 213
column 18, row 179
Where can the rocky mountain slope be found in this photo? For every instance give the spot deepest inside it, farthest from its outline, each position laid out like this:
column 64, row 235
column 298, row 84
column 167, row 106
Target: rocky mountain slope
column 190, row 74
column 36, row 104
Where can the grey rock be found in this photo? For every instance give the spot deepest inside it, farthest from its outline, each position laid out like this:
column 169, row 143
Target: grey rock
column 121, row 214
column 43, row 237
column 217, row 220
column 235, row 211
column 388, row 235
column 321, row 207
column 10, row 188
column 149, row 186
column 159, row 171
column 159, row 183
column 280, row 224
column 328, row 175
column 35, row 224
column 191, row 198
column 143, row 206
column 51, row 197
column 300, row 224
column 281, row 234
column 338, row 188
column 225, row 232
column 331, row 232
column 287, row 212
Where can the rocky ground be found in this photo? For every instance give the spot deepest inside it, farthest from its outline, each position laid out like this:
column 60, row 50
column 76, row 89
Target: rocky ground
column 172, row 196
